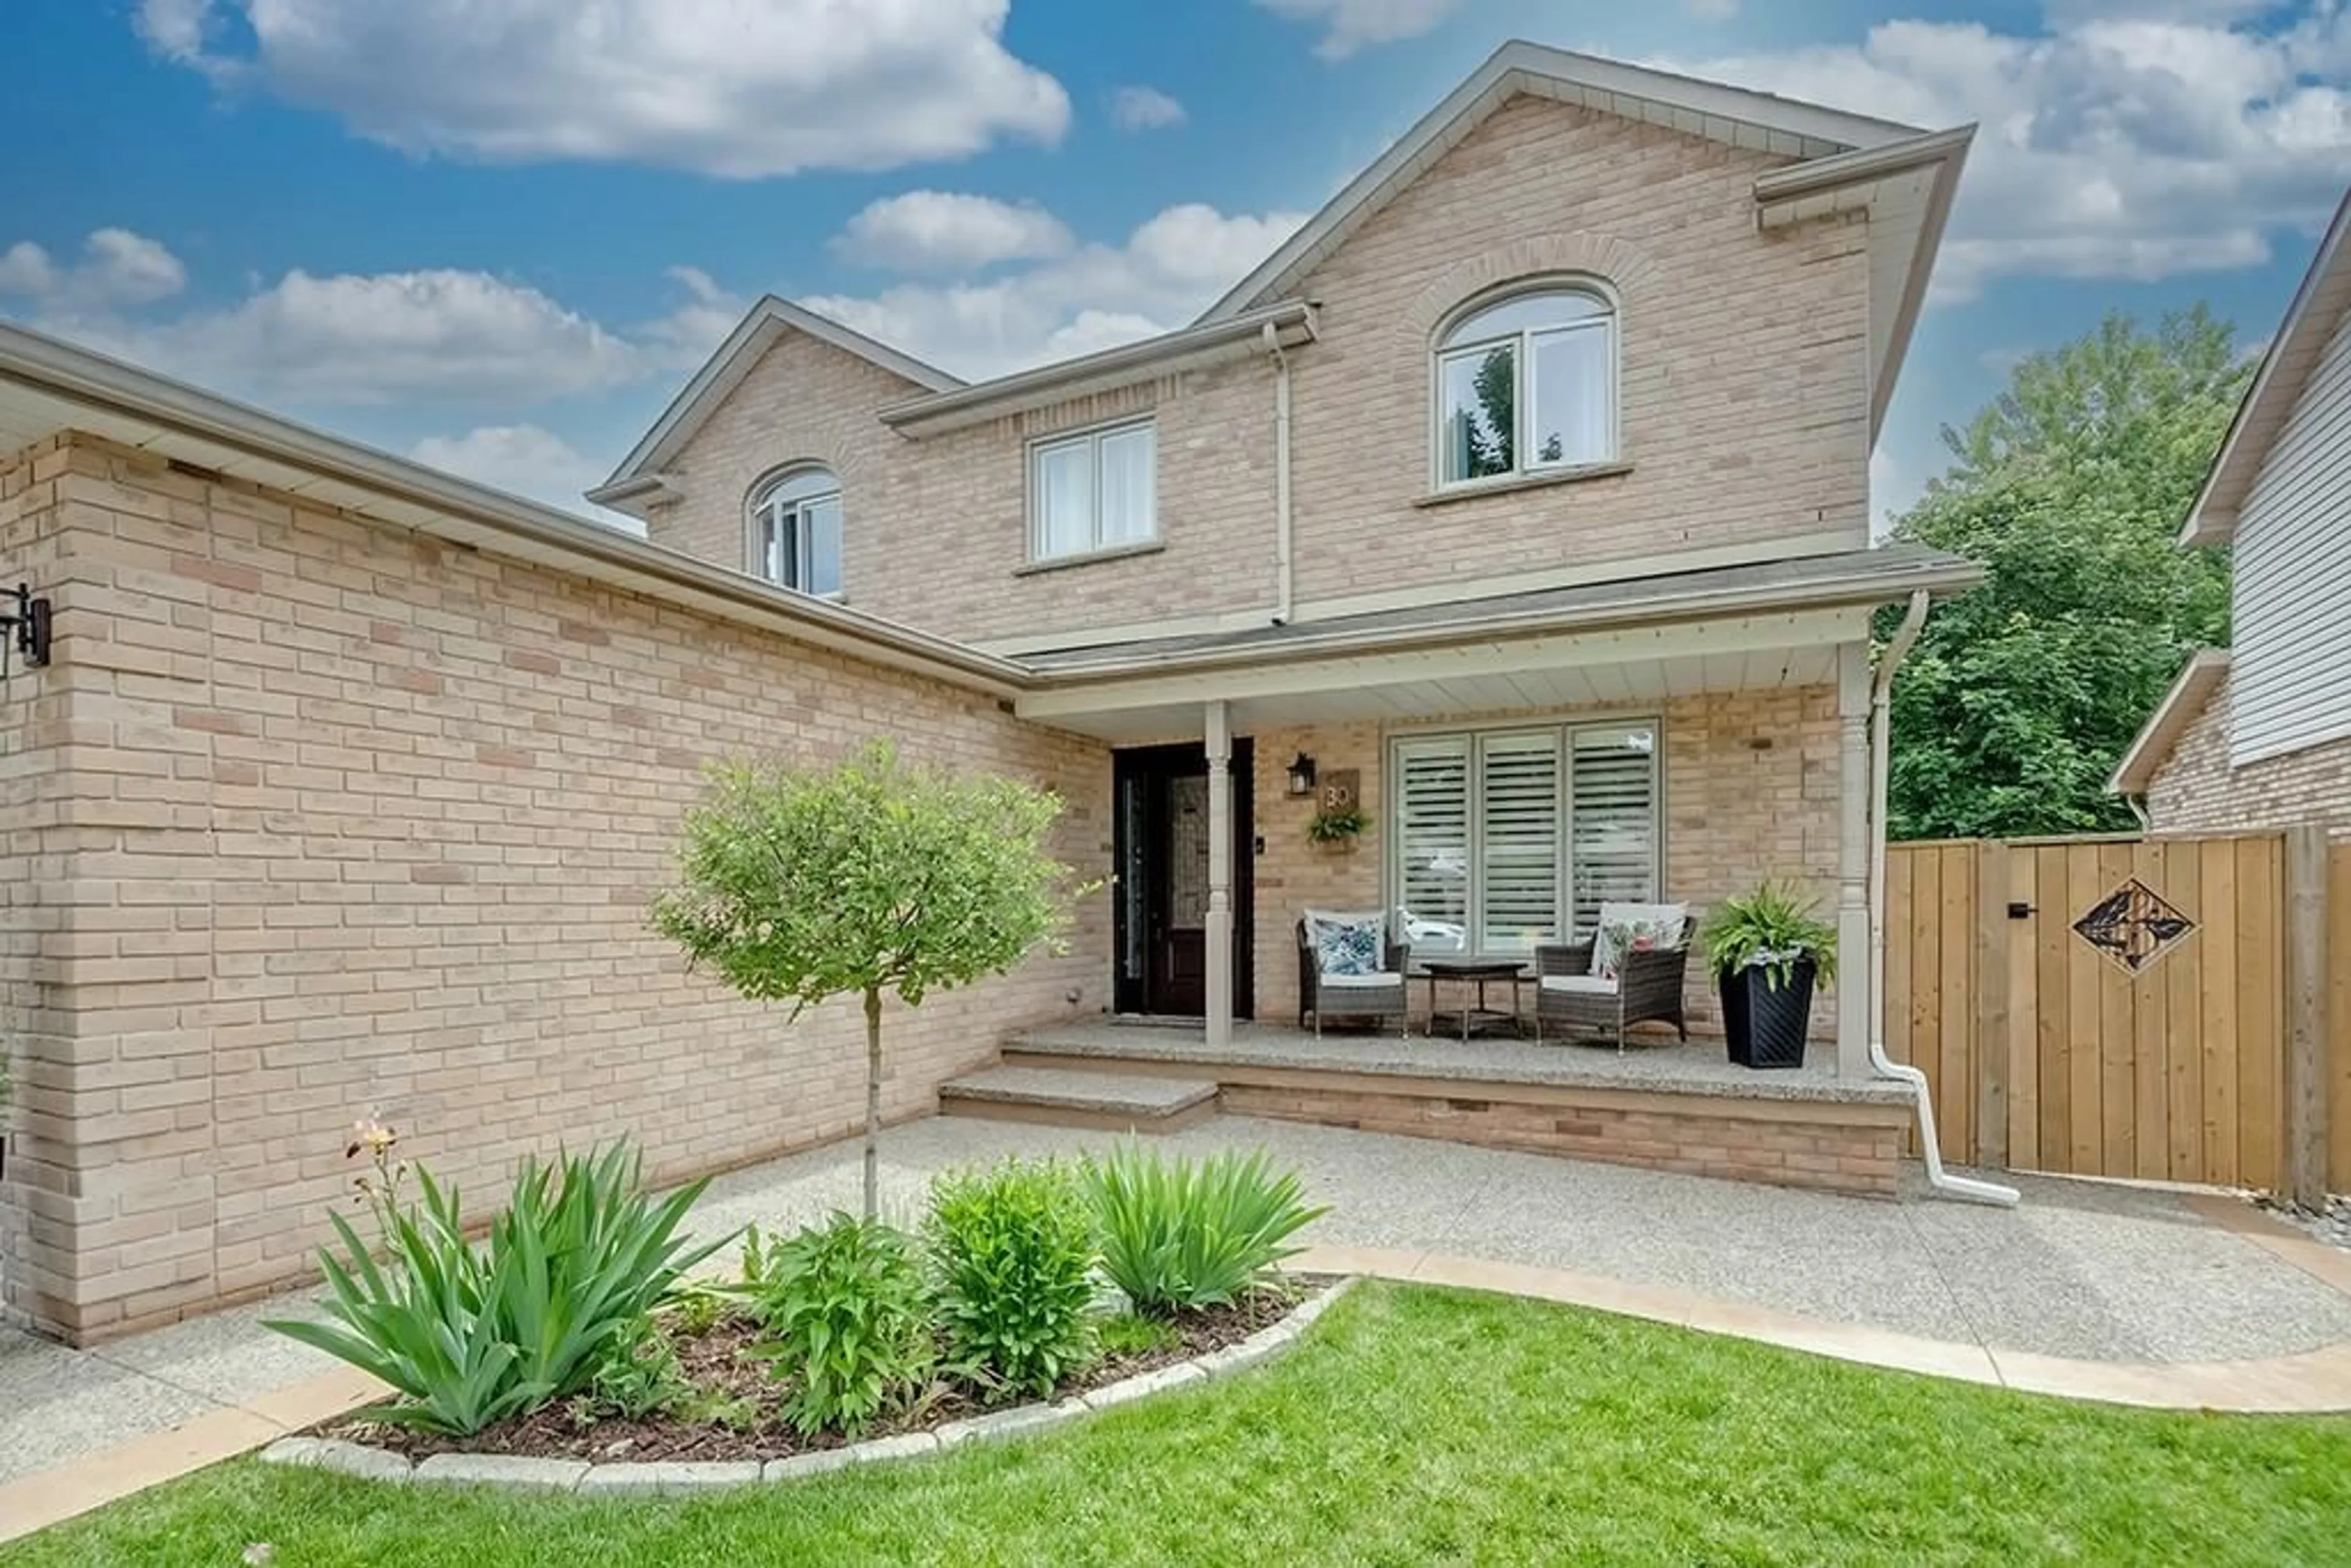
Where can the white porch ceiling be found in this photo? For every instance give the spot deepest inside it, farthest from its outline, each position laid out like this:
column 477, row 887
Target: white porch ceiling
column 1645, row 665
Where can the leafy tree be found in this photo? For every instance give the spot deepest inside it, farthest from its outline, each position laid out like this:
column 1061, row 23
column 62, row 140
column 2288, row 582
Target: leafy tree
column 800, row 885
column 2069, row 489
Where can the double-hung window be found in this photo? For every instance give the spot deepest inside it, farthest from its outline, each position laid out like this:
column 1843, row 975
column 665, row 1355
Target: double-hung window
column 1527, row 384
column 1092, row 491
column 1507, row 838
column 796, row 531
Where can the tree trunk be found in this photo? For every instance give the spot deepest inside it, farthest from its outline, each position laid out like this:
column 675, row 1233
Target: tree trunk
column 872, row 1101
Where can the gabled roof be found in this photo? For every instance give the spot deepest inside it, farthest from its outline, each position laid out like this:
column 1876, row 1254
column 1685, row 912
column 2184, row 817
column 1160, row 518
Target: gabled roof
column 1905, row 176
column 2205, row 670
column 2311, row 321
column 640, row 471
column 48, row 386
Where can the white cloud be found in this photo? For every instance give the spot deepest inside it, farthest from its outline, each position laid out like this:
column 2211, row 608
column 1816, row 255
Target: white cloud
column 947, row 231
column 1096, row 297
column 721, row 86
column 1349, row 25
column 117, row 267
column 2132, row 148
column 525, row 460
column 1143, row 109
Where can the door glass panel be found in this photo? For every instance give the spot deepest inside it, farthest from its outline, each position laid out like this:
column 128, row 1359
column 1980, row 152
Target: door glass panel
column 1134, row 879
column 1187, row 853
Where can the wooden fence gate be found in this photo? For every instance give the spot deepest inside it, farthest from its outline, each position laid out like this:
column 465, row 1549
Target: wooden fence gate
column 2150, row 1008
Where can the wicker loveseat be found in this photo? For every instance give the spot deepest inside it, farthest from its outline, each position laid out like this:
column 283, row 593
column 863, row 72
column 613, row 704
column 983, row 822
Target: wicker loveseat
column 1374, row 997
column 1575, row 994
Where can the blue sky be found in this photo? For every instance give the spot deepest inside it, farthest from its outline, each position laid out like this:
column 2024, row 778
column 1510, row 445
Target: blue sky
column 499, row 234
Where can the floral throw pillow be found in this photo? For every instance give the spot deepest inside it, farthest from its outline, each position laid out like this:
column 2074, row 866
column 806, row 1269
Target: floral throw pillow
column 1628, row 933
column 1347, row 944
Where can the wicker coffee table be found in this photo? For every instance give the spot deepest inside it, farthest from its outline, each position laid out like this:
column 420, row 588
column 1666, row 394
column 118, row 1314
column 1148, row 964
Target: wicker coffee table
column 1469, row 1019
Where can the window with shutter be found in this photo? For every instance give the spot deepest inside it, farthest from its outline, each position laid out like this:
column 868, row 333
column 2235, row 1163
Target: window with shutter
column 1431, row 853
column 1508, row 838
column 1612, row 791
column 1518, row 813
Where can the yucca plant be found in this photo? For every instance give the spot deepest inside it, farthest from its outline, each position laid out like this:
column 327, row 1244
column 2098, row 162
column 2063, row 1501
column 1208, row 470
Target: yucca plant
column 1179, row 1235
column 470, row 1336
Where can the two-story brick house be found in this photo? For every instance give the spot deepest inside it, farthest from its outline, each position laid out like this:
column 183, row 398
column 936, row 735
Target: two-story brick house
column 1526, row 487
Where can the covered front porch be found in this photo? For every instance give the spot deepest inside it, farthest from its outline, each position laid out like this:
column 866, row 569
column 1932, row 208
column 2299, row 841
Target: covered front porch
column 1516, row 761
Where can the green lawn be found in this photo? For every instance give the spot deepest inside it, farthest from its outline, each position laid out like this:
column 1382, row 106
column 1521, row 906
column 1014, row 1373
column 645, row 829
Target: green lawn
column 1415, row 1425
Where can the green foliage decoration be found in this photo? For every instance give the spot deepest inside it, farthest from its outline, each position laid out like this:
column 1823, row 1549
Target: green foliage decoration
column 1179, row 1234
column 1768, row 929
column 1012, row 1256
column 848, row 1323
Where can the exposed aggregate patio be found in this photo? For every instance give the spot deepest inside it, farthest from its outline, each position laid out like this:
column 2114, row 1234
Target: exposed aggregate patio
column 2094, row 1273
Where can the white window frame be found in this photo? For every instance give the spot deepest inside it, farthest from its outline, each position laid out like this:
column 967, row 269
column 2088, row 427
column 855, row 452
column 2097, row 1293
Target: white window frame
column 762, row 518
column 1522, row 369
column 1091, row 439
column 1561, row 730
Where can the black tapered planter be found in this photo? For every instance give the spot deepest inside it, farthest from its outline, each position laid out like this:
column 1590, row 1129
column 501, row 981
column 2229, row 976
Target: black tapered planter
column 1765, row 1025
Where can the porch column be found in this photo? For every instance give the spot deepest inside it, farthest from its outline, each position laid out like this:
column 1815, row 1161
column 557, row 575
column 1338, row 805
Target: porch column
column 1855, row 1006
column 1220, row 875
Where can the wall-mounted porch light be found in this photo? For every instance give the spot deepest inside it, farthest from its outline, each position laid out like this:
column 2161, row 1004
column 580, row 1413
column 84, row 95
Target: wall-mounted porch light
column 1301, row 776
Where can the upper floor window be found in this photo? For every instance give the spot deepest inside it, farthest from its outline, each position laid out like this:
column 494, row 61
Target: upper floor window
column 796, row 530
column 1092, row 491
column 1527, row 384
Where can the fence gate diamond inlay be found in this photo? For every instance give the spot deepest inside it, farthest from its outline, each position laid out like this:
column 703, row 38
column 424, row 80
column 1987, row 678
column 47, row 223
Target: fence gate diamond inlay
column 2134, row 927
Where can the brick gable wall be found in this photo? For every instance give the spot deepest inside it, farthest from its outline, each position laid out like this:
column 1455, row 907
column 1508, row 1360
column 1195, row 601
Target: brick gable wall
column 2197, row 791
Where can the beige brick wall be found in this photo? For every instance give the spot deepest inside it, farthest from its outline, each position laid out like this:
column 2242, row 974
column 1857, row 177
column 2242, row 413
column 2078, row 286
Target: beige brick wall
column 1751, row 790
column 2197, row 791
column 325, row 817
column 1743, row 401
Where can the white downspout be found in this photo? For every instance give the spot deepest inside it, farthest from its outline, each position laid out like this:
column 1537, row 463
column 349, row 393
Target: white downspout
column 1283, row 574
column 1886, row 1067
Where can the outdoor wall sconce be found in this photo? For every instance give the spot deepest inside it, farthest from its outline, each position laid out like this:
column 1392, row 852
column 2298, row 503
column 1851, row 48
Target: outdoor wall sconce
column 25, row 627
column 1301, row 776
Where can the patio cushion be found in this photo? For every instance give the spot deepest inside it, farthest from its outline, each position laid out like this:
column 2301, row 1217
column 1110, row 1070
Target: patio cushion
column 1580, row 985
column 1347, row 944
column 1634, row 928
column 1363, row 982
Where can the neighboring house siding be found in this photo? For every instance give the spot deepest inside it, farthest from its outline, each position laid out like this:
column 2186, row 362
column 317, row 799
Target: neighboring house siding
column 1750, row 783
column 332, row 818
column 2291, row 676
column 1743, row 402
column 2197, row 790
column 1743, row 412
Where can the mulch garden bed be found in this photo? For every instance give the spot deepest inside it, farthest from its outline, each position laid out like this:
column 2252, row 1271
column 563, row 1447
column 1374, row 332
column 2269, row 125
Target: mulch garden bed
column 720, row 1363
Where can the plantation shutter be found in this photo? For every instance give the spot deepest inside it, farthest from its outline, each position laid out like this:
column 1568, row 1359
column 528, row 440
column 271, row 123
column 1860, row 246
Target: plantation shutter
column 1518, row 778
column 1613, row 788
column 1432, row 805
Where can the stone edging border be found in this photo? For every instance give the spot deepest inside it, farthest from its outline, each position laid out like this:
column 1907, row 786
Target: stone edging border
column 684, row 1475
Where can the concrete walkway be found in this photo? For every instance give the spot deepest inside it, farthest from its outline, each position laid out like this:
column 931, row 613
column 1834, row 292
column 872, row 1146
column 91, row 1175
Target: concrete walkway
column 2184, row 1299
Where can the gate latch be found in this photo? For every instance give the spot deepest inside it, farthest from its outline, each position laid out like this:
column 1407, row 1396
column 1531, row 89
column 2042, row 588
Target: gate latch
column 2020, row 910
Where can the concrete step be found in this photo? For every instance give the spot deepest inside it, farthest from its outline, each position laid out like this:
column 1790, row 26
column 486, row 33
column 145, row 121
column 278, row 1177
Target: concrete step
column 1078, row 1097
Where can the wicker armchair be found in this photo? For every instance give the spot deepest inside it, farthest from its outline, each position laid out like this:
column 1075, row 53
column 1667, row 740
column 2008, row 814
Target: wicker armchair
column 1369, row 997
column 1647, row 988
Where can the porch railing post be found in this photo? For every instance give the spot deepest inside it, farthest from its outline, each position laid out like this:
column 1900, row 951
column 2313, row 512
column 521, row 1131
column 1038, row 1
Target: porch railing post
column 1855, row 1006
column 1219, row 747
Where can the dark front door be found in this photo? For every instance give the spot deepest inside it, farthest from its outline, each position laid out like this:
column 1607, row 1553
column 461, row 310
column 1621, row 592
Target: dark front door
column 1162, row 904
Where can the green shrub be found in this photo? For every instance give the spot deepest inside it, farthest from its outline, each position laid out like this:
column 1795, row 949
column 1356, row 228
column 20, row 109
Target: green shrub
column 1178, row 1234
column 849, row 1322
column 638, row 1374
column 470, row 1336
column 1012, row 1253
column 1131, row 1333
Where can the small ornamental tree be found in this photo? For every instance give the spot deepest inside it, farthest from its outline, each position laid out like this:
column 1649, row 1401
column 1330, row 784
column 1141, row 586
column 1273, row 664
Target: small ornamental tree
column 800, row 885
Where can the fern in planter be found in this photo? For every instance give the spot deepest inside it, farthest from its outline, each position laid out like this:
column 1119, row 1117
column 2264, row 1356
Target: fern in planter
column 1337, row 825
column 1769, row 929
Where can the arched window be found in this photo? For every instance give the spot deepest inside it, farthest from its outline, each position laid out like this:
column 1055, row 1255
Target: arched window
column 1527, row 384
column 796, row 530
